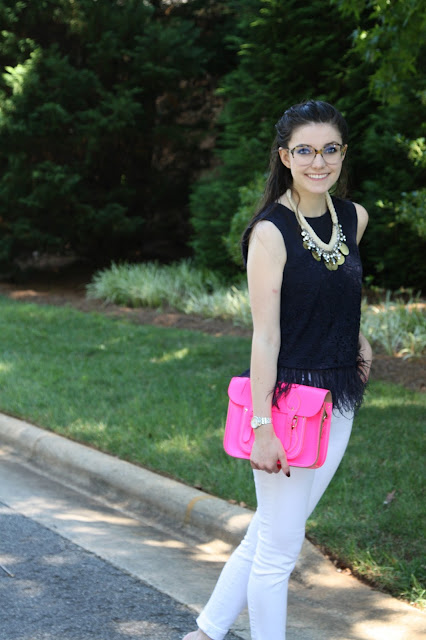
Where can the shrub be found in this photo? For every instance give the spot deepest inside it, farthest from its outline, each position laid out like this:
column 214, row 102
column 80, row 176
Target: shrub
column 396, row 327
column 249, row 197
column 93, row 143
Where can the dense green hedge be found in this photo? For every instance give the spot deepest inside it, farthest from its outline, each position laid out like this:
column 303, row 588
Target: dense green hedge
column 102, row 109
column 116, row 143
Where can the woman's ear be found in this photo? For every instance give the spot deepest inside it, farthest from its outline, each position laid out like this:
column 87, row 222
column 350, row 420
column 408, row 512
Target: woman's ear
column 285, row 157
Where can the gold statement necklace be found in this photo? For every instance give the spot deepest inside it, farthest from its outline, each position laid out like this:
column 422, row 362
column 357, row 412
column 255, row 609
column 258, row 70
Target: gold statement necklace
column 332, row 253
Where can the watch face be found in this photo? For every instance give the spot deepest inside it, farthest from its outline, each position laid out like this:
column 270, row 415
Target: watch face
column 255, row 423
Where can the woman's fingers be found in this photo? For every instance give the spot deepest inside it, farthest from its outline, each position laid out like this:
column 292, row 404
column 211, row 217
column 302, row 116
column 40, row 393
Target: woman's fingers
column 271, row 467
column 283, row 465
column 268, row 454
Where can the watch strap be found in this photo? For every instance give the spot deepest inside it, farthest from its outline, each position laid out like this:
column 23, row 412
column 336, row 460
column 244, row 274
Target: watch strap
column 258, row 421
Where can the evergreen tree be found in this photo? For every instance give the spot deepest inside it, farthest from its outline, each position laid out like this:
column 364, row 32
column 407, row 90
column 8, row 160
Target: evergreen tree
column 93, row 143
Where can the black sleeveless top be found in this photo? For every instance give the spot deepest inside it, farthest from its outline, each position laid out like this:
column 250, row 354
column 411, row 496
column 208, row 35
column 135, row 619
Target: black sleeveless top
column 320, row 309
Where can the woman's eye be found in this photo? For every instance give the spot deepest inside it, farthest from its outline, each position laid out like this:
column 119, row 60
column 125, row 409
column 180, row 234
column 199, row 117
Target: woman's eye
column 304, row 150
column 331, row 148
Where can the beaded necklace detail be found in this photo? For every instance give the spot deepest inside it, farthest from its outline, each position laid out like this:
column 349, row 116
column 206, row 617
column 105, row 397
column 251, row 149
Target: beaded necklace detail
column 333, row 253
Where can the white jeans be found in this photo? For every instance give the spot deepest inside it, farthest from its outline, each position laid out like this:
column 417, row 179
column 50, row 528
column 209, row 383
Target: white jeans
column 258, row 571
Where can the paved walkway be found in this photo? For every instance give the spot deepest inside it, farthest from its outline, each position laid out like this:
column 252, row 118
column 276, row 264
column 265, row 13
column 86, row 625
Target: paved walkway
column 323, row 604
column 60, row 591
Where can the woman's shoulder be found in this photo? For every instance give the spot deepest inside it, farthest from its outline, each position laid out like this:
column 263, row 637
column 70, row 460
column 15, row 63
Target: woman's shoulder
column 268, row 233
column 362, row 217
column 270, row 222
column 264, row 228
column 354, row 212
column 361, row 213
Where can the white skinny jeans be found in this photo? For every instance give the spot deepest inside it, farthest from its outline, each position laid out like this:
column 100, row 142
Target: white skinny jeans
column 258, row 572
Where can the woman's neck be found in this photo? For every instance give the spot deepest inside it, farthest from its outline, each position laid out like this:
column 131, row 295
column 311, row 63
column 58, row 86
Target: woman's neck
column 311, row 205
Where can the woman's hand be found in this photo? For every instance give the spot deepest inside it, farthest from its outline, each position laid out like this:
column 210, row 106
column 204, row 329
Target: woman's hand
column 268, row 452
column 366, row 353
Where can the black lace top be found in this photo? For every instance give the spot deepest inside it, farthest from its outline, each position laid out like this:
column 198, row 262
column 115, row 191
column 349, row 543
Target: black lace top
column 320, row 309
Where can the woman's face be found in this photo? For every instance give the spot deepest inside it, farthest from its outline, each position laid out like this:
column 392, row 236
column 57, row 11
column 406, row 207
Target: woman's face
column 318, row 176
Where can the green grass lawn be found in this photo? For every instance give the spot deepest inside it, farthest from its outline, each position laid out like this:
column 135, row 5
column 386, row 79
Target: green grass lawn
column 157, row 397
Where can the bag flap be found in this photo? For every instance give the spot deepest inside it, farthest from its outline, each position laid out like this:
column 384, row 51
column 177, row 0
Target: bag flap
column 303, row 401
column 239, row 391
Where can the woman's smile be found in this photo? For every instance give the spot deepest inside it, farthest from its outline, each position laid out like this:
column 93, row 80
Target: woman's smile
column 317, row 176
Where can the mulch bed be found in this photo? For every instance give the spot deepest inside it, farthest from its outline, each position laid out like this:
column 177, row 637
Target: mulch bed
column 410, row 373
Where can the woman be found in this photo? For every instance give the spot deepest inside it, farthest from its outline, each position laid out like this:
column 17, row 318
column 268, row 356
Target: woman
column 304, row 276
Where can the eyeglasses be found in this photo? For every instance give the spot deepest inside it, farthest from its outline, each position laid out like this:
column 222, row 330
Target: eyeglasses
column 304, row 154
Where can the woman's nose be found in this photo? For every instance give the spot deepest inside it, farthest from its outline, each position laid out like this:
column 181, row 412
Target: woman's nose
column 318, row 160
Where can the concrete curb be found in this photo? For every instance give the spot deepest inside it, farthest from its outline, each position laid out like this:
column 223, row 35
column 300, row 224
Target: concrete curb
column 135, row 488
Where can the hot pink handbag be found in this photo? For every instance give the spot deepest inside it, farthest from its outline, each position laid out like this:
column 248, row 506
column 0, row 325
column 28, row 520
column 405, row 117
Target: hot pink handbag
column 302, row 423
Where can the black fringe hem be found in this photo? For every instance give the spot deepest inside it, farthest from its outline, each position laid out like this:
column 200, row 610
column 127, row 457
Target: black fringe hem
column 346, row 384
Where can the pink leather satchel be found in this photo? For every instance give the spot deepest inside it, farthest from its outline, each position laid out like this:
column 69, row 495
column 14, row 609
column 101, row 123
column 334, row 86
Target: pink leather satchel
column 302, row 423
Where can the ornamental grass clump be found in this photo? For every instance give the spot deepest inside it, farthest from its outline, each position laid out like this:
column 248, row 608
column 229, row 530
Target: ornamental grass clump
column 226, row 303
column 395, row 327
column 152, row 285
